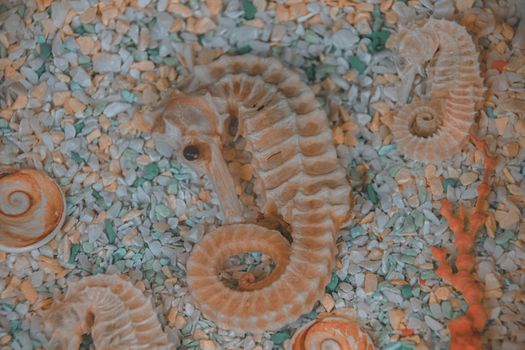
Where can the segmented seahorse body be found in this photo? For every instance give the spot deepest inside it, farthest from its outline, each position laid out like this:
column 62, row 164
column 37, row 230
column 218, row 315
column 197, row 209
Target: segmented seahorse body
column 301, row 181
column 118, row 315
column 435, row 129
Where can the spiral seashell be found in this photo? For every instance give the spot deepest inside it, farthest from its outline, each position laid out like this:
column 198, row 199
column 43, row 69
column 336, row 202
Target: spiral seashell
column 32, row 209
column 332, row 332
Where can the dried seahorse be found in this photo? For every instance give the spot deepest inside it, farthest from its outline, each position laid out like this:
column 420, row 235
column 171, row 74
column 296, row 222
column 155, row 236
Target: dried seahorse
column 118, row 315
column 300, row 179
column 437, row 128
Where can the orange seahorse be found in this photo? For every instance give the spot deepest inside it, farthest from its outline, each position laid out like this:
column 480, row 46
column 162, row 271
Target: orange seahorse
column 299, row 179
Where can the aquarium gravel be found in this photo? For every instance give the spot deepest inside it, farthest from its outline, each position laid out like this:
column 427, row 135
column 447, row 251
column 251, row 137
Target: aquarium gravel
column 73, row 75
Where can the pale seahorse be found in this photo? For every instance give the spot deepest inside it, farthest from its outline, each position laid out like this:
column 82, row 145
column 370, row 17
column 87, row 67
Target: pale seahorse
column 300, row 181
column 437, row 128
column 116, row 313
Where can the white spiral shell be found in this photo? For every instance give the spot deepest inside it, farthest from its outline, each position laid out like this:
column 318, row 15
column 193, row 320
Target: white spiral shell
column 32, row 210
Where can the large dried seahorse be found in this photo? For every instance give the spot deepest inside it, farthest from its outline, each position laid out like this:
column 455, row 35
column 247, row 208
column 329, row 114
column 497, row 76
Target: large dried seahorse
column 435, row 129
column 118, row 315
column 300, row 179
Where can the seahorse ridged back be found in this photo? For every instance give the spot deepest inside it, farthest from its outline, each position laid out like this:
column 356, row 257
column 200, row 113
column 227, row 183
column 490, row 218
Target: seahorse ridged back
column 123, row 317
column 457, row 92
column 293, row 155
column 285, row 128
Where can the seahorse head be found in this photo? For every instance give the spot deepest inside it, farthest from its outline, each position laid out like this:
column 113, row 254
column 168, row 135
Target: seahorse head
column 194, row 128
column 417, row 45
column 65, row 323
column 188, row 123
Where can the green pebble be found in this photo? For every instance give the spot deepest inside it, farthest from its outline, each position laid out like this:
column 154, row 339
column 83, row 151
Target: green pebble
column 89, row 28
column 429, row 275
column 3, row 51
column 378, row 40
column 356, row 231
column 244, row 49
column 98, row 110
column 410, row 251
column 151, row 171
column 311, row 37
column 407, row 259
column 110, row 231
column 84, row 60
column 128, row 96
column 76, row 157
column 164, row 261
column 156, row 235
column 162, row 211
column 310, row 72
column 79, row 127
column 383, row 151
column 334, row 282
column 249, row 9
column 450, row 182
column 173, row 188
column 96, row 194
column 378, row 19
column 139, row 182
column 87, row 247
column 45, row 51
column 409, row 225
column 171, row 61
column 357, row 64
column 446, row 307
column 393, row 170
column 399, row 345
column 4, row 123
column 392, row 221
column 406, row 291
column 120, row 265
column 148, row 267
column 137, row 258
column 419, row 219
column 421, row 194
column 279, row 337
column 75, row 249
column 40, row 70
column 74, row 86
column 119, row 254
column 504, row 237
column 80, row 30
column 371, row 194
column 152, row 52
column 324, row 70
column 160, row 278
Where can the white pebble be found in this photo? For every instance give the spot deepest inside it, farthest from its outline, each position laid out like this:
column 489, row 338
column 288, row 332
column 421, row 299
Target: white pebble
column 105, row 63
column 115, row 108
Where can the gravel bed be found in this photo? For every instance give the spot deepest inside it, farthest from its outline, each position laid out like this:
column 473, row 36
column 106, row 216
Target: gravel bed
column 73, row 75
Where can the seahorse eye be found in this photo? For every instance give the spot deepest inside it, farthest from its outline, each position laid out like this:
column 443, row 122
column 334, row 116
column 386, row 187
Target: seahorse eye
column 191, row 152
